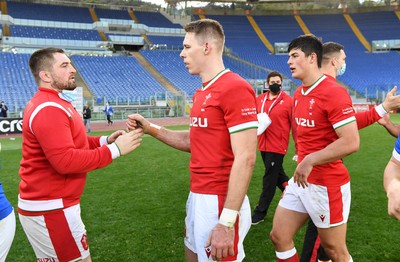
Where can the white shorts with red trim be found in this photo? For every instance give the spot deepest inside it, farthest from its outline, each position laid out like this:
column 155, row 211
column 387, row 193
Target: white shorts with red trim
column 202, row 214
column 327, row 206
column 59, row 235
column 7, row 232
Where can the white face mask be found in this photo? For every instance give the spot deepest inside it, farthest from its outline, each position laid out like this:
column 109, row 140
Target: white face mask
column 341, row 71
column 68, row 95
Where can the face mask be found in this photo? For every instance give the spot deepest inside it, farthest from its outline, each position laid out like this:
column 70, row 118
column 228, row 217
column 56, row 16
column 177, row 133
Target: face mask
column 275, row 88
column 341, row 71
column 68, row 95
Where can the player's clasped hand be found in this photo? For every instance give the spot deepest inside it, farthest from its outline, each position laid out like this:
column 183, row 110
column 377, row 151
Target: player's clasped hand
column 137, row 121
column 127, row 142
column 111, row 138
column 221, row 240
column 302, row 172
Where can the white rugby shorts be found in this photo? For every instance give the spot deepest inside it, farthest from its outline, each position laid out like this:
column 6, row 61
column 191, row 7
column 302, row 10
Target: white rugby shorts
column 202, row 215
column 326, row 206
column 7, row 232
column 59, row 235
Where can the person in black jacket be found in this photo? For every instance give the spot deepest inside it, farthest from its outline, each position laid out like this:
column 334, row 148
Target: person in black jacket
column 87, row 115
column 3, row 109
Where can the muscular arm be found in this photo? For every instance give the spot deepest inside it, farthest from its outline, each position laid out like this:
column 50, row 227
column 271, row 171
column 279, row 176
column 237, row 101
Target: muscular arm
column 348, row 142
column 391, row 184
column 244, row 145
column 177, row 139
column 392, row 129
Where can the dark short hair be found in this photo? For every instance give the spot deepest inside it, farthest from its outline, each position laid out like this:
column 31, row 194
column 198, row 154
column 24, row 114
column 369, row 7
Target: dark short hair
column 272, row 74
column 308, row 44
column 42, row 59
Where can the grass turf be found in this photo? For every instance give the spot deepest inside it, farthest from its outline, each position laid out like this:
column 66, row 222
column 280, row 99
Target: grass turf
column 134, row 209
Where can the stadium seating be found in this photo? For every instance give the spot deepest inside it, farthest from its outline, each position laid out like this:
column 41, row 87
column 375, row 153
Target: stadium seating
column 171, row 66
column 112, row 14
column 117, row 78
column 278, row 28
column 54, row 33
column 16, row 82
column 378, row 25
column 49, row 12
column 153, row 19
column 365, row 71
column 170, row 41
column 244, row 43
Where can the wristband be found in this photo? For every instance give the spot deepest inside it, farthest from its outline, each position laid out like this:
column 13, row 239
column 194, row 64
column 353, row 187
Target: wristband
column 103, row 140
column 228, row 217
column 114, row 149
column 119, row 151
column 153, row 129
column 381, row 110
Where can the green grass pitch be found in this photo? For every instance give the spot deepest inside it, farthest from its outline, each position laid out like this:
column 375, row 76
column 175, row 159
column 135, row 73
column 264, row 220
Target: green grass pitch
column 134, row 209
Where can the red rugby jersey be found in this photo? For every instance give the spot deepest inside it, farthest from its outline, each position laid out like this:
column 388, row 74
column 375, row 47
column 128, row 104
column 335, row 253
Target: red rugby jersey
column 225, row 105
column 318, row 111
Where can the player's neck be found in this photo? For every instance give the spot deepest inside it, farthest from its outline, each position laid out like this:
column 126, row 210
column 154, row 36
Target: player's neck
column 329, row 71
column 312, row 78
column 272, row 95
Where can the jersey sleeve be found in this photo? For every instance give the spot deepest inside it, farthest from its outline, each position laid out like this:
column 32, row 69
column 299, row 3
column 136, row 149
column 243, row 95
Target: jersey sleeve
column 94, row 141
column 58, row 145
column 340, row 108
column 239, row 105
column 367, row 118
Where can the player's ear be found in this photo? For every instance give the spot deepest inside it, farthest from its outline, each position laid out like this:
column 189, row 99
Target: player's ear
column 45, row 76
column 206, row 48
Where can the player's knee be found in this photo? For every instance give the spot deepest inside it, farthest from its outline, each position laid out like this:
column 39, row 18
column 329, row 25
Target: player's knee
column 335, row 252
column 275, row 237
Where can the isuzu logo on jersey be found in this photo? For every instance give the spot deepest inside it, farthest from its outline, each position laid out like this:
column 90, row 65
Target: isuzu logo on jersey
column 10, row 125
column 198, row 122
column 305, row 122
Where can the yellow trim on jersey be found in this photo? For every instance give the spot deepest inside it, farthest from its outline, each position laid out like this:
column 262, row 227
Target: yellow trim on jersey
column 344, row 122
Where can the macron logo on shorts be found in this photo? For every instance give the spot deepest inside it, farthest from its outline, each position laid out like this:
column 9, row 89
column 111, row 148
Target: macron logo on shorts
column 322, row 217
column 84, row 242
column 208, row 251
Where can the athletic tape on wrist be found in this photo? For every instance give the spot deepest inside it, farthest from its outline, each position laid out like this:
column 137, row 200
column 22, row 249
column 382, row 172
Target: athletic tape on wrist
column 153, row 130
column 228, row 217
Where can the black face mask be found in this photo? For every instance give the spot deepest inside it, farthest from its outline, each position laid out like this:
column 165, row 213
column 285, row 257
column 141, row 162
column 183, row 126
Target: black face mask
column 275, row 88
